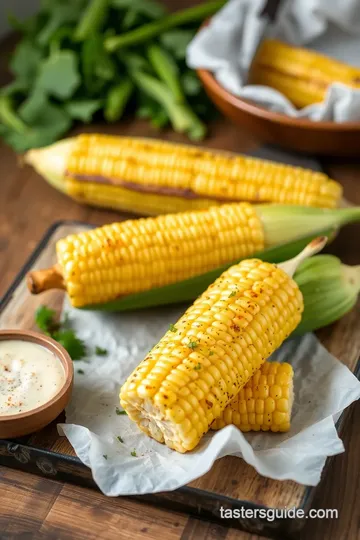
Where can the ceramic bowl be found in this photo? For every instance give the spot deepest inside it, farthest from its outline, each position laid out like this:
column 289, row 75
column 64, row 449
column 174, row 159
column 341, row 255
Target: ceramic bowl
column 17, row 425
column 302, row 135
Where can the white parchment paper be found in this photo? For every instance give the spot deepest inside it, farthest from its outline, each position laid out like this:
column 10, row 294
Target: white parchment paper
column 323, row 387
column 226, row 47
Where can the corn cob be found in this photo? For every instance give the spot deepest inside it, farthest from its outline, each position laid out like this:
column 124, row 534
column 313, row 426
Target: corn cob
column 264, row 403
column 154, row 177
column 116, row 260
column 204, row 360
column 303, row 76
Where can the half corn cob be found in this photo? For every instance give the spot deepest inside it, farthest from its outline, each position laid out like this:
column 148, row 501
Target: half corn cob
column 116, row 260
column 264, row 403
column 204, row 360
column 303, row 76
column 154, row 177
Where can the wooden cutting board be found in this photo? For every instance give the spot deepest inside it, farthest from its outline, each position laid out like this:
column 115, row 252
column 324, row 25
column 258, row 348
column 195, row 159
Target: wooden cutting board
column 231, row 483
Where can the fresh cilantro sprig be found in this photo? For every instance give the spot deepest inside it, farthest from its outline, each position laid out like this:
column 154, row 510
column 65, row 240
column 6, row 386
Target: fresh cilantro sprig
column 45, row 319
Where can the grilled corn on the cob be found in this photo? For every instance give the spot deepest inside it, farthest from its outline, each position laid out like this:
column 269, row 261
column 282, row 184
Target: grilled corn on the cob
column 207, row 357
column 264, row 403
column 116, row 260
column 154, row 177
column 201, row 364
column 303, row 76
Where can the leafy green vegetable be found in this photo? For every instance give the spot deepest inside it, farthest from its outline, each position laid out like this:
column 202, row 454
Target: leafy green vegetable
column 59, row 75
column 99, row 351
column 71, row 63
column 117, row 99
column 92, row 20
column 83, row 109
column 26, row 60
column 177, row 41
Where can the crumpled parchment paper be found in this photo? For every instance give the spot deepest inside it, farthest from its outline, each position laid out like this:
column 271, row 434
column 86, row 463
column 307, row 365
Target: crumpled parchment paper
column 323, row 388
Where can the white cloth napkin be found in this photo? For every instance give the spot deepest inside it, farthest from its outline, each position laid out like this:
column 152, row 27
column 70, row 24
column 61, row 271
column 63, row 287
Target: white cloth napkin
column 226, row 47
column 323, row 388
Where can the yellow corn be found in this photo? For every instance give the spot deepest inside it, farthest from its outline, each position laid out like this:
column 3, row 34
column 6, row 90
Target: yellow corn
column 303, row 76
column 123, row 258
column 153, row 177
column 265, row 402
column 204, row 360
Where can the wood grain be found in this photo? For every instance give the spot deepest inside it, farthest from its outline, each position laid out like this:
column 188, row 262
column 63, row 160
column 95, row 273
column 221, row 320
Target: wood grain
column 32, row 507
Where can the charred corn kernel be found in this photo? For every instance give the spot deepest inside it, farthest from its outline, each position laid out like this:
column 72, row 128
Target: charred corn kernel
column 303, row 76
column 272, row 412
column 123, row 258
column 193, row 357
column 155, row 177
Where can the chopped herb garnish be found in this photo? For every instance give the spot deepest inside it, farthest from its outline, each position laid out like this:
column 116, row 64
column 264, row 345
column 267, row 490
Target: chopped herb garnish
column 119, row 439
column 232, row 294
column 211, row 353
column 119, row 411
column 81, row 371
column 99, row 351
column 133, row 453
column 105, row 456
column 192, row 344
column 45, row 320
column 172, row 328
column 197, row 367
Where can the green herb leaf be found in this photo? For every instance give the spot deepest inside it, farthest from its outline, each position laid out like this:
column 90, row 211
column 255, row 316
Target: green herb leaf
column 233, row 293
column 83, row 109
column 97, row 65
column 177, row 41
column 197, row 367
column 172, row 328
column 100, row 352
column 133, row 453
column 74, row 346
column 117, row 100
column 211, row 353
column 45, row 318
column 105, row 456
column 59, row 75
column 25, row 61
column 119, row 411
column 120, row 439
column 60, row 12
column 192, row 345
column 81, row 371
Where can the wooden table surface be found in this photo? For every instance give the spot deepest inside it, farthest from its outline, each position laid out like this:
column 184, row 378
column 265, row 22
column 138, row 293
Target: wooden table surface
column 34, row 507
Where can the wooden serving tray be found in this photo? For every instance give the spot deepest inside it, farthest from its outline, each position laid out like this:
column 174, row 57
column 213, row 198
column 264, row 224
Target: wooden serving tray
column 231, row 483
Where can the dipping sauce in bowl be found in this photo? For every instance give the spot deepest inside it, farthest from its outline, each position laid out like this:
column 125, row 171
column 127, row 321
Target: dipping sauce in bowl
column 30, row 375
column 36, row 378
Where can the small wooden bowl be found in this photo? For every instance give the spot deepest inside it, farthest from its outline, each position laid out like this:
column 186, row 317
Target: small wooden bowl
column 302, row 135
column 17, row 425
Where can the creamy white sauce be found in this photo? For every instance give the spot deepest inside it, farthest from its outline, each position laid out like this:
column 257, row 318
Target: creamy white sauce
column 30, row 375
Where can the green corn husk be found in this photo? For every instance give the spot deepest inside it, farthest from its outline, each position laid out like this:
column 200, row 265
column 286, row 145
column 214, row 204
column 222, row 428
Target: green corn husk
column 330, row 290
